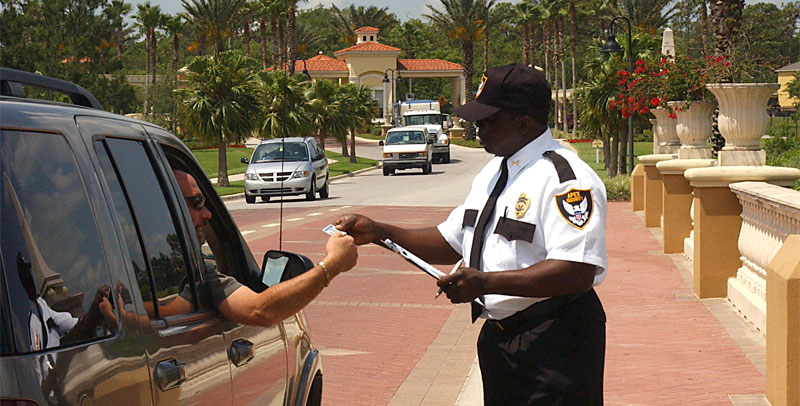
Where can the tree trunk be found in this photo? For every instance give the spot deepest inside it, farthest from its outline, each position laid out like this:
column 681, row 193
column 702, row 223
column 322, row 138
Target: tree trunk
column 467, row 49
column 147, row 71
column 704, row 27
column 607, row 151
column 353, row 145
column 322, row 140
column 246, row 32
column 525, row 49
column 222, row 162
column 119, row 42
column 154, row 51
column 343, row 141
column 555, row 85
column 282, row 41
column 486, row 48
column 176, row 48
column 573, row 44
column 623, row 149
column 292, row 31
column 613, row 159
column 262, row 28
column 276, row 45
column 563, row 57
column 546, row 39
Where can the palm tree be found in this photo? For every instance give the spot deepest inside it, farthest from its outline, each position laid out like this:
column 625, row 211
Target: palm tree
column 116, row 12
column 285, row 113
column 726, row 16
column 529, row 15
column 324, row 108
column 222, row 101
column 247, row 14
column 218, row 17
column 464, row 22
column 272, row 12
column 148, row 18
column 352, row 17
column 365, row 108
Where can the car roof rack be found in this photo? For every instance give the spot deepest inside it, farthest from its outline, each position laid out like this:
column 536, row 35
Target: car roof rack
column 11, row 81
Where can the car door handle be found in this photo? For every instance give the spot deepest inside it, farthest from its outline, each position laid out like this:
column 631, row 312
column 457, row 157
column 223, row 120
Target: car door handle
column 169, row 374
column 241, row 352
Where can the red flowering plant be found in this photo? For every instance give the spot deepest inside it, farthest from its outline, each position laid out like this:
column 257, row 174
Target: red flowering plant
column 640, row 90
column 653, row 83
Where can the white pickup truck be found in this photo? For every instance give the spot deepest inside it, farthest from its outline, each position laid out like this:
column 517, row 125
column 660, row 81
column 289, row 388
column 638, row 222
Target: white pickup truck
column 406, row 148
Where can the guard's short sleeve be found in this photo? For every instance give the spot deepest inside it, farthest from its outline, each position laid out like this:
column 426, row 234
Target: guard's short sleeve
column 573, row 218
column 452, row 229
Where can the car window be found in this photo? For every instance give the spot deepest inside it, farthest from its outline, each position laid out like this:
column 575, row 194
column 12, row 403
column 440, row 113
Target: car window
column 56, row 278
column 281, row 151
column 405, row 137
column 154, row 244
column 317, row 151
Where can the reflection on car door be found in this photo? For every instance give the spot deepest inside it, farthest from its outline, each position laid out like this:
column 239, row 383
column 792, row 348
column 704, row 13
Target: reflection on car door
column 185, row 349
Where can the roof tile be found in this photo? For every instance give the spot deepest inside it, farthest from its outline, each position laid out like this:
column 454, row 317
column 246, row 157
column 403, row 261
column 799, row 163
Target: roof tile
column 369, row 46
column 367, row 29
column 426, row 64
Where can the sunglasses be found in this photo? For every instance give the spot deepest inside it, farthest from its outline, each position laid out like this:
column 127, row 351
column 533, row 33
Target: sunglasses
column 196, row 202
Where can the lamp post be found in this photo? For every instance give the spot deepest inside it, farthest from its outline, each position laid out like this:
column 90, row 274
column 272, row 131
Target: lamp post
column 392, row 88
column 305, row 70
column 612, row 45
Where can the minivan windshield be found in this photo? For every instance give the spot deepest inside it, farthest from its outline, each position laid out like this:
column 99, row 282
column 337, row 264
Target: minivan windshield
column 281, row 151
column 405, row 137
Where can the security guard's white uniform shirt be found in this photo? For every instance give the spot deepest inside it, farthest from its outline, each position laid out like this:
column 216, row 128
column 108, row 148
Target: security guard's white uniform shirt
column 537, row 217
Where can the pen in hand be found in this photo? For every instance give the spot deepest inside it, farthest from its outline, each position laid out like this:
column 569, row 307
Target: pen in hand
column 455, row 268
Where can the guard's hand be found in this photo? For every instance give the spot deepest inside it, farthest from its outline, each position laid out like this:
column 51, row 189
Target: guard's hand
column 342, row 253
column 463, row 285
column 363, row 229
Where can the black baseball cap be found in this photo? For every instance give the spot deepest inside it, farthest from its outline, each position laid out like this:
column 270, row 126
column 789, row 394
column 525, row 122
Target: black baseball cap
column 517, row 88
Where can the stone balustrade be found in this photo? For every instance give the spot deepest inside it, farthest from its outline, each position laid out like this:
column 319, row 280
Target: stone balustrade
column 770, row 214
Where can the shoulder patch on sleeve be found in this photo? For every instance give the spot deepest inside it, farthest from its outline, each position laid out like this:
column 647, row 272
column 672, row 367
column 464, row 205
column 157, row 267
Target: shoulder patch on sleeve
column 575, row 206
column 565, row 172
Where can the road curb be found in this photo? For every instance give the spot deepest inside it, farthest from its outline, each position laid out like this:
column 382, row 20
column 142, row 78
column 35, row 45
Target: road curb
column 344, row 175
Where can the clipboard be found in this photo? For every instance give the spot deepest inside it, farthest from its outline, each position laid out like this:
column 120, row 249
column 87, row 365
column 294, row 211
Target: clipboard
column 419, row 263
column 413, row 259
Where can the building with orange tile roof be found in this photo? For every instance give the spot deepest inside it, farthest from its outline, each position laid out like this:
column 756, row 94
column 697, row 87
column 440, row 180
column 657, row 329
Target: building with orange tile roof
column 375, row 65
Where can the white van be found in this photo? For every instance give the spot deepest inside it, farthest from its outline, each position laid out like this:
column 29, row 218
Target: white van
column 407, row 147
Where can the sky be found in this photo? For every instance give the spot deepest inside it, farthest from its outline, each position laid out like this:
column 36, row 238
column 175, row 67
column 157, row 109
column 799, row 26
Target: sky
column 403, row 9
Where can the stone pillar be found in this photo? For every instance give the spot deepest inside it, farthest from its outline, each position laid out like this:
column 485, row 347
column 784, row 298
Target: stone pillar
column 652, row 188
column 676, row 200
column 783, row 324
column 385, row 129
column 637, row 188
column 717, row 221
column 656, row 136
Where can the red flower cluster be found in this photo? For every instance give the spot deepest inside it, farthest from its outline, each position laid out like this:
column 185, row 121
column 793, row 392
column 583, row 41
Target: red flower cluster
column 638, row 89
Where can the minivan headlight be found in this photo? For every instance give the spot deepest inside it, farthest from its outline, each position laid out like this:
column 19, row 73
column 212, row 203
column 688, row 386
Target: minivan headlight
column 251, row 176
column 299, row 174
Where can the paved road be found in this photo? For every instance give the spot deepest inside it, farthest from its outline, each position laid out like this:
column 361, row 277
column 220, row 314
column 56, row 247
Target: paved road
column 447, row 186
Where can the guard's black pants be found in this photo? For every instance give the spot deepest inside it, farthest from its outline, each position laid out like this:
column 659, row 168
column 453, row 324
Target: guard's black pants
column 552, row 359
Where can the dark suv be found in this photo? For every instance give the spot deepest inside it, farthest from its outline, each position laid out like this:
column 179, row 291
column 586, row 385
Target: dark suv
column 96, row 238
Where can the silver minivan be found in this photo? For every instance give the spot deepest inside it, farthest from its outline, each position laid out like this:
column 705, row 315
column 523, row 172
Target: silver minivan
column 285, row 167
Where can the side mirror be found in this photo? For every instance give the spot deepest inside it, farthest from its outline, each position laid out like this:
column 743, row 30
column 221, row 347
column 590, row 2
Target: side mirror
column 279, row 266
column 380, row 143
column 245, row 161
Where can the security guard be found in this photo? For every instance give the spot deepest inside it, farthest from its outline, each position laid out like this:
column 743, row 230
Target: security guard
column 532, row 230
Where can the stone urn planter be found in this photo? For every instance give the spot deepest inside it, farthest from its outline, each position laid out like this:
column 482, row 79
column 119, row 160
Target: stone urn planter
column 668, row 142
column 693, row 127
column 742, row 120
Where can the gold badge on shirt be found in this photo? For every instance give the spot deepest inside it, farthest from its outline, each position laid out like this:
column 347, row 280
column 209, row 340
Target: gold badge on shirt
column 523, row 203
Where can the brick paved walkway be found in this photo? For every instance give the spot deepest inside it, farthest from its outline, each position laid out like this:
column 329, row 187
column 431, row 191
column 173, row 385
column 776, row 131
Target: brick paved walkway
column 385, row 340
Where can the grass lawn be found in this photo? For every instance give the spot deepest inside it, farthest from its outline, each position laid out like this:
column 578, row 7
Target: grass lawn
column 343, row 165
column 586, row 152
column 209, row 157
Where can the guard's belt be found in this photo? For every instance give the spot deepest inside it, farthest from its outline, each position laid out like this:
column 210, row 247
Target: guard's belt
column 535, row 310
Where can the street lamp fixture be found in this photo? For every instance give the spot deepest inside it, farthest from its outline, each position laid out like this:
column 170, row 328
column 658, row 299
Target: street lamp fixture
column 612, row 46
column 392, row 88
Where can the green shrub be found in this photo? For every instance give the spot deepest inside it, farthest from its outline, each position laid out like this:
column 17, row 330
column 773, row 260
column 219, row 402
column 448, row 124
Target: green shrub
column 783, row 151
column 618, row 188
column 645, row 135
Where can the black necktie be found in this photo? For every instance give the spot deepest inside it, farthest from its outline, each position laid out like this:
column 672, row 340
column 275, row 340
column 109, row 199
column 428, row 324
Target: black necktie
column 477, row 237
